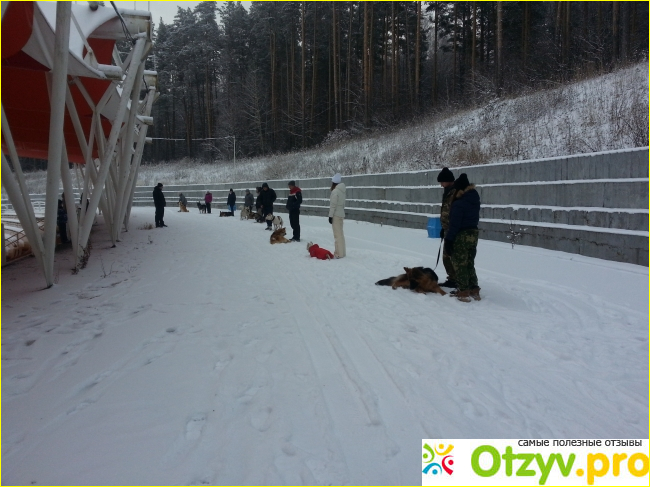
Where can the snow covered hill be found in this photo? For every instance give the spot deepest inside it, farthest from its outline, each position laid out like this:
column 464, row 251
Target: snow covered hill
column 200, row 354
column 604, row 113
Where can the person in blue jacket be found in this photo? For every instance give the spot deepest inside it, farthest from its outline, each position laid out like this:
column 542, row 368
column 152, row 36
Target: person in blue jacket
column 461, row 239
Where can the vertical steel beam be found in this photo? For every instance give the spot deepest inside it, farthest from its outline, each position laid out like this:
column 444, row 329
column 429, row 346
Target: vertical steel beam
column 137, row 158
column 55, row 145
column 127, row 86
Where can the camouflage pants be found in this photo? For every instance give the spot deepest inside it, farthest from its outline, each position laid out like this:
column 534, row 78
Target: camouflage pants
column 463, row 259
column 449, row 267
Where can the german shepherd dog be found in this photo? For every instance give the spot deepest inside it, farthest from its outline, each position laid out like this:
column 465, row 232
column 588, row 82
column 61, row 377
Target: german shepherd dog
column 279, row 236
column 202, row 207
column 276, row 220
column 417, row 279
column 182, row 207
column 226, row 213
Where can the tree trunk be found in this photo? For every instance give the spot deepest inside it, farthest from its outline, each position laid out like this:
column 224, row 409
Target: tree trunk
column 335, row 73
column 453, row 77
column 499, row 73
column 435, row 57
column 365, row 56
column 473, row 47
column 418, row 12
column 615, row 40
column 303, row 61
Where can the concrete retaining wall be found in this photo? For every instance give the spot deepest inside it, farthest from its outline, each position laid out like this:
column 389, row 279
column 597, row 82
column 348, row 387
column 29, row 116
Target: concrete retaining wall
column 591, row 204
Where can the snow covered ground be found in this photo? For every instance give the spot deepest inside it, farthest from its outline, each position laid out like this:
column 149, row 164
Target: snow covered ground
column 200, row 354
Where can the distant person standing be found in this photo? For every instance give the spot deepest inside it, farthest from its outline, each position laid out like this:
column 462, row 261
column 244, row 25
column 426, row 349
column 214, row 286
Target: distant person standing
column 249, row 201
column 159, row 202
column 208, row 201
column 446, row 179
column 267, row 197
column 337, row 215
column 462, row 238
column 293, row 205
column 232, row 197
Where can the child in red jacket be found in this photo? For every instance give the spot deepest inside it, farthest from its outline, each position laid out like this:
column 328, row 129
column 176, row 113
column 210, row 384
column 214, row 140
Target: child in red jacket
column 315, row 251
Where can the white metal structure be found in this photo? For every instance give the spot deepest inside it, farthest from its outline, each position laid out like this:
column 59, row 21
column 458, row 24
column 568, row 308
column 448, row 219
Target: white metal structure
column 69, row 97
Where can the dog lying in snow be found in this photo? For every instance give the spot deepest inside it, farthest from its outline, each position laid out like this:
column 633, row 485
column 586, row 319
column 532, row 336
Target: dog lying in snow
column 417, row 279
column 315, row 251
column 279, row 236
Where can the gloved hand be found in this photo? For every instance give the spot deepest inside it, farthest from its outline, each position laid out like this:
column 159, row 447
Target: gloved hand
column 449, row 248
column 331, row 220
column 442, row 233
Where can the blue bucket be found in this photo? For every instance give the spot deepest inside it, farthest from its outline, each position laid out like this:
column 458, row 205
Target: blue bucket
column 434, row 226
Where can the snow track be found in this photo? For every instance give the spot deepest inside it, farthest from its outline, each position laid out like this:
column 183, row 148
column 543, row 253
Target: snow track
column 200, row 354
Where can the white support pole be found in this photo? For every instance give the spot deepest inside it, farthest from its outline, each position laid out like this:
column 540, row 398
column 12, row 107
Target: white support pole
column 66, row 179
column 55, row 145
column 138, row 49
column 126, row 157
column 137, row 158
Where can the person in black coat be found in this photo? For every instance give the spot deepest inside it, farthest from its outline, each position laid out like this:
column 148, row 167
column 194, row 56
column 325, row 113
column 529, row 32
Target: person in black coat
column 293, row 205
column 267, row 196
column 159, row 202
column 232, row 197
column 461, row 239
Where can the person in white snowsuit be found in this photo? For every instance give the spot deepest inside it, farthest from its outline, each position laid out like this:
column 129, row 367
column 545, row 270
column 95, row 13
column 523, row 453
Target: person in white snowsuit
column 337, row 215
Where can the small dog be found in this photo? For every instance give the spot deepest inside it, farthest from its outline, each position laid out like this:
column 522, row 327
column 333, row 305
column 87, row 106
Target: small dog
column 318, row 252
column 202, row 208
column 276, row 220
column 417, row 279
column 245, row 213
column 226, row 213
column 279, row 236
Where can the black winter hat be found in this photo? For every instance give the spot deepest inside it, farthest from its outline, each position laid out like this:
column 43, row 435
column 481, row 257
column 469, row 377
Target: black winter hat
column 462, row 182
column 265, row 185
column 159, row 185
column 445, row 176
column 292, row 183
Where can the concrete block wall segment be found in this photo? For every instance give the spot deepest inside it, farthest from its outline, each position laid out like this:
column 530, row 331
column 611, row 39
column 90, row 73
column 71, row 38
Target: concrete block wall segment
column 595, row 194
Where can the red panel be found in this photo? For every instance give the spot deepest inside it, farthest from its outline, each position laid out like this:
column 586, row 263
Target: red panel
column 17, row 23
column 103, row 49
column 26, row 103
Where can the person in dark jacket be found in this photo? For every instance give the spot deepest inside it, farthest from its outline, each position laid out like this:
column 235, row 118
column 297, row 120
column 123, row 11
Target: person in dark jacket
column 62, row 221
column 446, row 180
column 232, row 197
column 159, row 202
column 258, row 205
column 267, row 196
column 249, row 201
column 293, row 205
column 461, row 239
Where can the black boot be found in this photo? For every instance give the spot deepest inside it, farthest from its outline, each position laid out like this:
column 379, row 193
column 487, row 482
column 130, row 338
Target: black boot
column 449, row 283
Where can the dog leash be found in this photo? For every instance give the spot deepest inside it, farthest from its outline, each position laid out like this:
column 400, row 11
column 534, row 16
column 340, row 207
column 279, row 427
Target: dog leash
column 439, row 249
